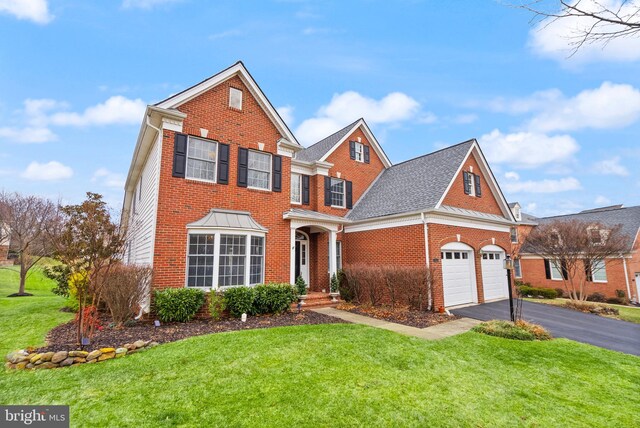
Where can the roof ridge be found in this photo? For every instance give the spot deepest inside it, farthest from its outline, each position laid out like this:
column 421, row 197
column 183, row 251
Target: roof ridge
column 432, row 153
column 589, row 212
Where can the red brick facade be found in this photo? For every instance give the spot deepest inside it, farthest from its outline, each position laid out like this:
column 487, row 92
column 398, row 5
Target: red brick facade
column 4, row 252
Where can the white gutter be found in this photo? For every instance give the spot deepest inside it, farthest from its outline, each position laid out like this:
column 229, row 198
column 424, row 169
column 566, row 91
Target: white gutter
column 626, row 277
column 426, row 256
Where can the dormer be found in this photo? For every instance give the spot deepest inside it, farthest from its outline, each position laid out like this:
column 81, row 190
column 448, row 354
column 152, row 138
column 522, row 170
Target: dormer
column 516, row 209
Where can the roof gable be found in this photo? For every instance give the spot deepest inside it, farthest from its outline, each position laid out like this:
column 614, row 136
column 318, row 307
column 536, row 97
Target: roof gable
column 237, row 69
column 320, row 151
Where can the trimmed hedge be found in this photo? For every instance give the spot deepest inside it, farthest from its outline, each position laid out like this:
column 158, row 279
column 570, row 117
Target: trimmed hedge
column 239, row 300
column 273, row 298
column 178, row 304
column 546, row 293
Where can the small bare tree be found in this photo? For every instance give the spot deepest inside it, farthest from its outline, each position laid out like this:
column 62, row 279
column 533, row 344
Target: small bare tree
column 26, row 221
column 597, row 22
column 574, row 247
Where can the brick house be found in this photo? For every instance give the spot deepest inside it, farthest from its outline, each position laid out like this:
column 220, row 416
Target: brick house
column 220, row 193
column 621, row 273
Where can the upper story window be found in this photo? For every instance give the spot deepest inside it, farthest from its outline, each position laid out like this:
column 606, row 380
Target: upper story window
column 472, row 184
column 514, row 235
column 359, row 152
column 235, row 98
column 259, row 170
column 296, row 188
column 201, row 159
column 337, row 192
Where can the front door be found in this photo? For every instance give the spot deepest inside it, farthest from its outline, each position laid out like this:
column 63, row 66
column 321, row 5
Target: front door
column 302, row 257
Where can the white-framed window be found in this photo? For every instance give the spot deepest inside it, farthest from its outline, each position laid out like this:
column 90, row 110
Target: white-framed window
column 337, row 192
column 202, row 157
column 359, row 152
column 259, row 170
column 556, row 272
column 514, row 235
column 599, row 271
column 224, row 259
column 235, row 98
column 517, row 268
column 296, row 188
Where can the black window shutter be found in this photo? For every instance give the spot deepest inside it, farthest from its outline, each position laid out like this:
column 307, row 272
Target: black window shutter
column 327, row 191
column 305, row 189
column 223, row 163
column 565, row 273
column 587, row 270
column 349, row 194
column 277, row 173
column 243, row 166
column 477, row 184
column 366, row 154
column 352, row 149
column 547, row 269
column 180, row 155
column 466, row 178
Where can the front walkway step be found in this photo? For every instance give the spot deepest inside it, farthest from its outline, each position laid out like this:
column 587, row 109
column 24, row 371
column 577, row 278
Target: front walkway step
column 316, row 300
column 438, row 331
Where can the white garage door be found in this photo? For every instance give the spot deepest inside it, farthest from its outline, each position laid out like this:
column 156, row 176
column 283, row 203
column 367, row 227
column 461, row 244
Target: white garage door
column 494, row 277
column 457, row 277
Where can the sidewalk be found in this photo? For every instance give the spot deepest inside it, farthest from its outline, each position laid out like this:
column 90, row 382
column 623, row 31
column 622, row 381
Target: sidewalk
column 439, row 331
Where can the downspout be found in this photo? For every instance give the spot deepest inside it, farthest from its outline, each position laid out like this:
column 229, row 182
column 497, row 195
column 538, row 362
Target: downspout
column 626, row 277
column 426, row 255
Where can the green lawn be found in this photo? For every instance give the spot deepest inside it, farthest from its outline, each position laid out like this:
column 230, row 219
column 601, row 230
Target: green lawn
column 627, row 313
column 24, row 321
column 326, row 375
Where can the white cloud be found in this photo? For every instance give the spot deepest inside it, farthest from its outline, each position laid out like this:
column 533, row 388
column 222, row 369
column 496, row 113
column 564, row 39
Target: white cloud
column 526, row 149
column 542, row 186
column 49, row 171
column 31, row 10
column 115, row 110
column 530, row 207
column 346, row 107
column 609, row 106
column 511, row 175
column 602, row 200
column 556, row 38
column 611, row 167
column 225, row 34
column 145, row 4
column 27, row 135
column 427, row 118
column 535, row 102
column 108, row 178
column 286, row 113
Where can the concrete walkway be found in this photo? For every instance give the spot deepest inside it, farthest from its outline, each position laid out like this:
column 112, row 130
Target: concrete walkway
column 439, row 331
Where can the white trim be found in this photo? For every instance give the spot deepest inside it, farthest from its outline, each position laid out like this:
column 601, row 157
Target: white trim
column 552, row 265
column 215, row 163
column 489, row 179
column 456, row 246
column 344, row 192
column 626, row 278
column 603, row 269
column 370, row 137
column 492, row 248
column 299, row 187
column 270, row 180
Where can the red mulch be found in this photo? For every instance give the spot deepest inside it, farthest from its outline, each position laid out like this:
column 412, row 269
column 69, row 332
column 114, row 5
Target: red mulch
column 400, row 315
column 63, row 337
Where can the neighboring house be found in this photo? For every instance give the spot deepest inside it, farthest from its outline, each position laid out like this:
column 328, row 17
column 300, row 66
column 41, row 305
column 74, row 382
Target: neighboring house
column 621, row 273
column 221, row 194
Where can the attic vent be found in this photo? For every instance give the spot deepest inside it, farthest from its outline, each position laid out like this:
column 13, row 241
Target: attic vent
column 235, row 98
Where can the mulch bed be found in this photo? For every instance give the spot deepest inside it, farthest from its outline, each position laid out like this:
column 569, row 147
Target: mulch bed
column 63, row 337
column 405, row 316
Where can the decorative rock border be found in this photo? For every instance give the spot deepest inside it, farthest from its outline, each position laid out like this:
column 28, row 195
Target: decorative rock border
column 23, row 360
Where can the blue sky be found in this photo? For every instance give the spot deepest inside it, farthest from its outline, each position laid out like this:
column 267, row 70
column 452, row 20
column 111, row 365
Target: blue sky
column 561, row 134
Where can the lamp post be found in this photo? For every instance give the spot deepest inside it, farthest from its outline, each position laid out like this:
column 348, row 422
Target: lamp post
column 508, row 265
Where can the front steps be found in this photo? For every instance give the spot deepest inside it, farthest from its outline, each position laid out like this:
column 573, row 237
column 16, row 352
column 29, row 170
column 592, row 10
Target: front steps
column 316, row 300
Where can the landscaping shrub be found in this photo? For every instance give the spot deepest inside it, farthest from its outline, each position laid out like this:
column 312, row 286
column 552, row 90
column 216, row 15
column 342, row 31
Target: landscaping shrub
column 593, row 308
column 560, row 292
column 617, row 301
column 520, row 330
column 178, row 304
column 239, row 300
column 217, row 305
column 273, row 298
column 301, row 286
column 123, row 286
column 596, row 297
column 621, row 294
column 546, row 293
column 394, row 285
column 60, row 275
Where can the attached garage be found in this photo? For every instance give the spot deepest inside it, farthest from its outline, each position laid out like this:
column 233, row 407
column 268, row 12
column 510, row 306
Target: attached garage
column 494, row 276
column 458, row 274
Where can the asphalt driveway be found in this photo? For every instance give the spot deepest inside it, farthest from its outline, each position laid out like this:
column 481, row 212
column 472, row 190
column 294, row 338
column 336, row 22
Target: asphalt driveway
column 607, row 333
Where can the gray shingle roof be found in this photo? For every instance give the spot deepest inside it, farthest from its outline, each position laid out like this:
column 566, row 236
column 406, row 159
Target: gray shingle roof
column 318, row 150
column 413, row 185
column 228, row 219
column 629, row 218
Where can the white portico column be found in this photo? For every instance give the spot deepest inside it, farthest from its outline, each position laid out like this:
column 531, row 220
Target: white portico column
column 332, row 254
column 292, row 263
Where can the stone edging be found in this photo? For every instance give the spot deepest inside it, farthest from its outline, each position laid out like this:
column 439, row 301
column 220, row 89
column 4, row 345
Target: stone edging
column 23, row 360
